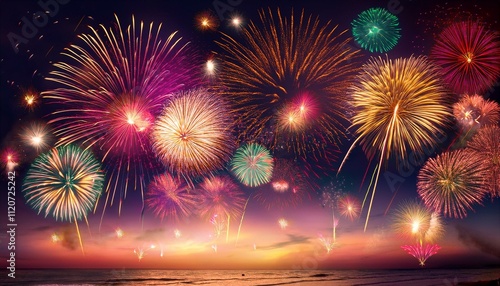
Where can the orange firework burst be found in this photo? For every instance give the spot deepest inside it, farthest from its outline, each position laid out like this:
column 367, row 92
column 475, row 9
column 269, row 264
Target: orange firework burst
column 452, row 182
column 473, row 111
column 287, row 79
column 192, row 136
column 349, row 206
column 486, row 143
column 31, row 98
column 399, row 107
column 207, row 21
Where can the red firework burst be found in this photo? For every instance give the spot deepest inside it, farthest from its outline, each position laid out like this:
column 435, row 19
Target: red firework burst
column 469, row 56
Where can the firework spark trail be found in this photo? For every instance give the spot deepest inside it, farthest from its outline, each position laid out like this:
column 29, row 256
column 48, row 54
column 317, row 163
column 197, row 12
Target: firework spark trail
column 327, row 243
column 286, row 80
column 108, row 92
column 66, row 183
column 399, row 107
column 219, row 196
column 241, row 221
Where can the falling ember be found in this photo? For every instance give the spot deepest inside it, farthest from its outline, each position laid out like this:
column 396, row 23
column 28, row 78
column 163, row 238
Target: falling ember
column 119, row 233
column 283, row 223
column 55, row 238
column 177, row 233
column 421, row 252
column 280, row 186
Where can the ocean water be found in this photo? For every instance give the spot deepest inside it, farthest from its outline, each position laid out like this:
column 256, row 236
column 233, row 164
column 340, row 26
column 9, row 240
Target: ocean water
column 418, row 277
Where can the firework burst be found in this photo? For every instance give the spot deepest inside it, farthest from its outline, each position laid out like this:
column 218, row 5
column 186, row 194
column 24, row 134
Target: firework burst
column 415, row 221
column 286, row 188
column 65, row 182
column 421, row 252
column 473, row 111
column 206, row 21
column 111, row 88
column 469, row 56
column 170, row 197
column 37, row 135
column 252, row 164
column 220, row 197
column 452, row 182
column 192, row 135
column 376, row 30
column 399, row 108
column 286, row 80
column 31, row 98
column 349, row 206
column 486, row 143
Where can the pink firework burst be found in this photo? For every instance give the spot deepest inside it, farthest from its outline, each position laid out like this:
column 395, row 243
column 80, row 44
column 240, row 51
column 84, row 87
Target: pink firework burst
column 473, row 111
column 220, row 196
column 421, row 252
column 287, row 187
column 170, row 197
column 108, row 91
column 469, row 56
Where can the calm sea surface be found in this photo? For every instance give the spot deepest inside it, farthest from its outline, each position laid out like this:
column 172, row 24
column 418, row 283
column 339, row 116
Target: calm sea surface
column 418, row 277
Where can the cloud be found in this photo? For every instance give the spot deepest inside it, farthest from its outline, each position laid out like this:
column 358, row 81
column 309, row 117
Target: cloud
column 472, row 238
column 69, row 238
column 292, row 239
column 151, row 234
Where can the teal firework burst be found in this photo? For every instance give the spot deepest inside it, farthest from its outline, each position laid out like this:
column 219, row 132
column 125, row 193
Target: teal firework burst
column 376, row 30
column 64, row 182
column 252, row 164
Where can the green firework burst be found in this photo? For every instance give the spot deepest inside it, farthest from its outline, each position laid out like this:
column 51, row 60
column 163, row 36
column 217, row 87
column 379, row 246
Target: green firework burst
column 64, row 182
column 252, row 164
column 376, row 30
